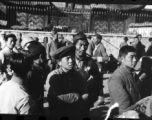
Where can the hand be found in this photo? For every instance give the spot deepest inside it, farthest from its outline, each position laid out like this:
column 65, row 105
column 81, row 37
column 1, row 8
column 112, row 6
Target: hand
column 85, row 96
column 99, row 59
column 142, row 76
column 69, row 98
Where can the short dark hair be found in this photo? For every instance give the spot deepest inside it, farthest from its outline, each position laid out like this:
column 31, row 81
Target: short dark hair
column 125, row 50
column 126, row 38
column 20, row 64
column 98, row 36
column 139, row 35
column 10, row 36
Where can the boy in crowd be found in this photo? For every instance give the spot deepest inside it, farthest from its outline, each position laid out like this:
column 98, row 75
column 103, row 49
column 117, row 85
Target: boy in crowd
column 65, row 86
column 124, row 84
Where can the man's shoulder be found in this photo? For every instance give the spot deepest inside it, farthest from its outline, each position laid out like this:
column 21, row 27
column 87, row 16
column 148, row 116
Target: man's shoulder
column 117, row 75
column 54, row 72
column 89, row 59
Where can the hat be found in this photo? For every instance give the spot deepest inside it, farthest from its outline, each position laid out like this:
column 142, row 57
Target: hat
column 63, row 51
column 89, row 36
column 26, row 40
column 79, row 36
column 35, row 48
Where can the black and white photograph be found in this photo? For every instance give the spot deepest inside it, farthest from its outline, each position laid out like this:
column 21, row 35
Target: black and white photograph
column 74, row 59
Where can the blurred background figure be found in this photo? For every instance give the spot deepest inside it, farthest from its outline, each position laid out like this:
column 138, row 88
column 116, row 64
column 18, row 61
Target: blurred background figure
column 149, row 48
column 69, row 40
column 2, row 39
column 5, row 54
column 140, row 48
column 124, row 43
column 18, row 46
column 36, row 39
column 61, row 41
column 89, row 38
column 45, row 42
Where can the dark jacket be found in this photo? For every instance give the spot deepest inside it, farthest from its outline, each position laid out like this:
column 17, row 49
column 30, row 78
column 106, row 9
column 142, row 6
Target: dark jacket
column 140, row 49
column 67, row 86
column 88, row 69
column 124, row 88
column 35, row 84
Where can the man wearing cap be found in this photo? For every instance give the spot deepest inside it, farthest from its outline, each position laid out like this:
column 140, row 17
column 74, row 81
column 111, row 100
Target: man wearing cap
column 2, row 39
column 5, row 54
column 139, row 47
column 124, row 43
column 37, row 75
column 66, row 87
column 88, row 68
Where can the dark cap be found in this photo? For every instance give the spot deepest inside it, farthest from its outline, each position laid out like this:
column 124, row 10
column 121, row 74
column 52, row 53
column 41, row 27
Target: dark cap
column 135, row 37
column 98, row 36
column 35, row 48
column 63, row 51
column 89, row 36
column 138, row 35
column 79, row 36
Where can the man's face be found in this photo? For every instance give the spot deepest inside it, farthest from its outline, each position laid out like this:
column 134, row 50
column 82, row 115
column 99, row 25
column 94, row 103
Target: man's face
column 129, row 60
column 81, row 47
column 67, row 62
column 10, row 43
column 19, row 36
column 139, row 37
column 60, row 39
column 96, row 40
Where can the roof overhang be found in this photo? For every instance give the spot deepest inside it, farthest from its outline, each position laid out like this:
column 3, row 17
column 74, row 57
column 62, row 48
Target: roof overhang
column 140, row 2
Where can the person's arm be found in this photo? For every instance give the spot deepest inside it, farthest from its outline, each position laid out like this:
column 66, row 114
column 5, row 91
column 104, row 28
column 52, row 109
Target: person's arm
column 24, row 106
column 56, row 91
column 119, row 94
column 90, row 49
column 147, row 47
column 48, row 50
column 105, row 56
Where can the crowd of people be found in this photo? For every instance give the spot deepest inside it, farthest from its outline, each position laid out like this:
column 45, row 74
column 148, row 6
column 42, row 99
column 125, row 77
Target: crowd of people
column 70, row 72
